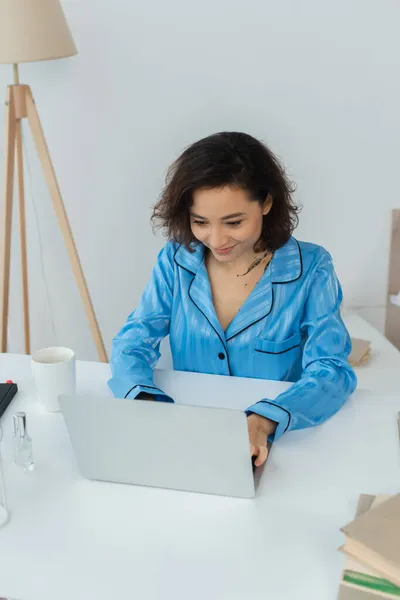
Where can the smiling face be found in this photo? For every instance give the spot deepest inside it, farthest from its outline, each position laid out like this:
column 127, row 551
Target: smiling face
column 227, row 222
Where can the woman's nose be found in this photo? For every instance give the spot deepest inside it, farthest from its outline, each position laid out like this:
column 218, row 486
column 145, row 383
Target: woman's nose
column 217, row 238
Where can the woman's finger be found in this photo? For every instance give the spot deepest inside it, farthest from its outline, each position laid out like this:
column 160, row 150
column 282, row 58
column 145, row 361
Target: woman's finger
column 253, row 450
column 261, row 453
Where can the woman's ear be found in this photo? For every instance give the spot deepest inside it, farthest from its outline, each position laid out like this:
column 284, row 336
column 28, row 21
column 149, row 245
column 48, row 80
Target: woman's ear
column 267, row 205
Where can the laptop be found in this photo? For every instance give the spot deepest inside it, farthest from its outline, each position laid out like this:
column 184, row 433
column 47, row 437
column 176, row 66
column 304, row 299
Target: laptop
column 161, row 444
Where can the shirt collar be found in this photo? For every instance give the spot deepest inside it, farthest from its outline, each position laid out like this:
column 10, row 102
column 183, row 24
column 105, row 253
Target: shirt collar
column 286, row 265
column 190, row 261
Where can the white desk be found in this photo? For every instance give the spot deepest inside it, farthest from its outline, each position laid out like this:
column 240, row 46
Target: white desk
column 72, row 538
column 382, row 371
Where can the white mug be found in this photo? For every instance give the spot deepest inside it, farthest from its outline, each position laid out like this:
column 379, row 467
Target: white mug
column 53, row 370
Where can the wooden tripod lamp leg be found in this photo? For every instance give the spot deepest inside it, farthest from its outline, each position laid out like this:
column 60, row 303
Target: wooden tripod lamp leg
column 22, row 229
column 5, row 247
column 19, row 93
column 51, row 180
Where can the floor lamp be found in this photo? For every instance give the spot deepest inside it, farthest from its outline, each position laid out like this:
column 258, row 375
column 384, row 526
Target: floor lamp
column 32, row 30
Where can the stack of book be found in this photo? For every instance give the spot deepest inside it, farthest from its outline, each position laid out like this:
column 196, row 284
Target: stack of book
column 372, row 550
column 360, row 352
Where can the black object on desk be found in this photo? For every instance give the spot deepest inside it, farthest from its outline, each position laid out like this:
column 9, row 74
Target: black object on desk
column 7, row 393
column 253, row 464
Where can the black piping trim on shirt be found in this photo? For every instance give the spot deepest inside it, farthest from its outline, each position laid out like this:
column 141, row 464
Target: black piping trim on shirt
column 273, row 297
column 149, row 387
column 199, row 309
column 274, row 282
column 281, row 407
column 179, row 264
column 282, row 351
column 301, row 268
column 254, row 322
column 250, row 324
column 216, row 331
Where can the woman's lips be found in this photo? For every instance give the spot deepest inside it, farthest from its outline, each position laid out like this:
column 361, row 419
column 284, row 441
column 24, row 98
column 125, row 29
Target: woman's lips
column 224, row 251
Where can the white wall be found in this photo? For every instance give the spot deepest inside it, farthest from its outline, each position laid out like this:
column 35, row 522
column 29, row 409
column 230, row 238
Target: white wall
column 318, row 80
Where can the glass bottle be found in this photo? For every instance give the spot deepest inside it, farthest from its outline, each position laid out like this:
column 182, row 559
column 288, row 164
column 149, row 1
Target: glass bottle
column 22, row 443
column 4, row 516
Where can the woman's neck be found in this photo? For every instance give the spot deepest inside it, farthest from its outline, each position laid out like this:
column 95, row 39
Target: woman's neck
column 242, row 265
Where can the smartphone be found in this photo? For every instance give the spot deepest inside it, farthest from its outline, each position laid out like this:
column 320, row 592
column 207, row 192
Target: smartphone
column 7, row 393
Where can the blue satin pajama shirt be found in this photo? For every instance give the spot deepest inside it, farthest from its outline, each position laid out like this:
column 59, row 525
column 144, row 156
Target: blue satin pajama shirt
column 288, row 329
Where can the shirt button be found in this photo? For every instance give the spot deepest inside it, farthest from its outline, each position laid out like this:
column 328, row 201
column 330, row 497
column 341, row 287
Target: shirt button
column 221, row 355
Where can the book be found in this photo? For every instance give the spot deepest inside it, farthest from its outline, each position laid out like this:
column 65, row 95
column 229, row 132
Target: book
column 360, row 352
column 373, row 539
column 360, row 582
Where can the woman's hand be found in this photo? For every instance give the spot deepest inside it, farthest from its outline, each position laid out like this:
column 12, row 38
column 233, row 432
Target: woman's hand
column 259, row 430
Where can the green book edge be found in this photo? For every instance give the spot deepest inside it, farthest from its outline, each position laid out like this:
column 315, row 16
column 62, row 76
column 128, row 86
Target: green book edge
column 372, row 583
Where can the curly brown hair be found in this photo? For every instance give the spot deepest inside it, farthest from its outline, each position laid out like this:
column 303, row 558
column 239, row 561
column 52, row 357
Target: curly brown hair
column 227, row 159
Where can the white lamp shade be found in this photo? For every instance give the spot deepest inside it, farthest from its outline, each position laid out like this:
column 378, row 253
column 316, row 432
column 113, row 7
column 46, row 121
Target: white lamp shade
column 33, row 30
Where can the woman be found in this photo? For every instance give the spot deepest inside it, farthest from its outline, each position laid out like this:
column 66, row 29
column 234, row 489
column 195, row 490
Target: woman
column 237, row 294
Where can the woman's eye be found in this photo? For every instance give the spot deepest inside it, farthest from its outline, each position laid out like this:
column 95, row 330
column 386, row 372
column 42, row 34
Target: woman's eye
column 203, row 223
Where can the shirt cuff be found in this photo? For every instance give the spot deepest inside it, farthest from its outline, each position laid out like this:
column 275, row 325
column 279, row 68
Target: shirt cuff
column 122, row 388
column 273, row 412
column 158, row 394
